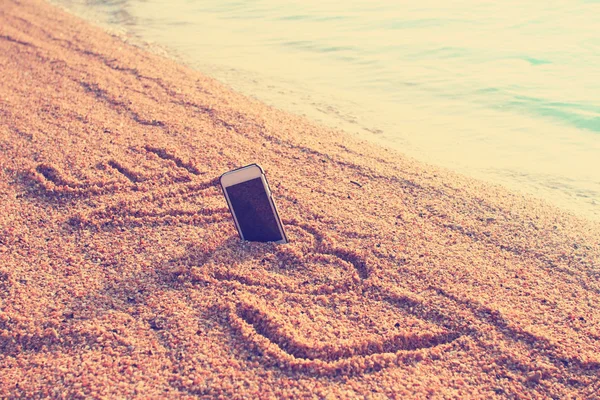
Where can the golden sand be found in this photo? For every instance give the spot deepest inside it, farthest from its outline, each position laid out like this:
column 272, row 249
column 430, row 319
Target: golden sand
column 121, row 273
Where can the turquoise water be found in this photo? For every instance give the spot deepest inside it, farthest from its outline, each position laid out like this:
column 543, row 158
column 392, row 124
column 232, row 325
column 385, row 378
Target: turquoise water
column 508, row 92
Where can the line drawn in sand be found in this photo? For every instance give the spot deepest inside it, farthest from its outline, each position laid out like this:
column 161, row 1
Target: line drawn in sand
column 52, row 181
column 175, row 194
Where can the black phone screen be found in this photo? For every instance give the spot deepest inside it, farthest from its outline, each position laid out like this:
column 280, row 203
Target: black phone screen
column 253, row 211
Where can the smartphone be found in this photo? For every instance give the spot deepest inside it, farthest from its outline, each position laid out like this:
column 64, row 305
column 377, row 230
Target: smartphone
column 251, row 204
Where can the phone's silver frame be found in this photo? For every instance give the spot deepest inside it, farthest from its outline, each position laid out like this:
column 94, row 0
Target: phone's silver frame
column 244, row 174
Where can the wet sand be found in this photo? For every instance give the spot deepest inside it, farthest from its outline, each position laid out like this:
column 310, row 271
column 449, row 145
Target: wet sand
column 121, row 273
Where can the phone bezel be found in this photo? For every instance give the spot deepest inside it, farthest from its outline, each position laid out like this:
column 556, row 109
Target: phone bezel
column 244, row 174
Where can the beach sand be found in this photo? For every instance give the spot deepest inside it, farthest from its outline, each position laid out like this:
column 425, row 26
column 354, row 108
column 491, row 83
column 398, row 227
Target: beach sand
column 122, row 275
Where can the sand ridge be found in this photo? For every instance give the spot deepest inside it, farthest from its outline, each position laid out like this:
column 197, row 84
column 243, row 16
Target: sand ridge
column 121, row 273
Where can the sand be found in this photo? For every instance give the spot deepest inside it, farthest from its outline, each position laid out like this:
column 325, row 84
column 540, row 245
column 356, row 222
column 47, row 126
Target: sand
column 122, row 275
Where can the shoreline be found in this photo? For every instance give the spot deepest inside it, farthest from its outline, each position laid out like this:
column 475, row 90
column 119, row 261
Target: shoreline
column 561, row 187
column 121, row 274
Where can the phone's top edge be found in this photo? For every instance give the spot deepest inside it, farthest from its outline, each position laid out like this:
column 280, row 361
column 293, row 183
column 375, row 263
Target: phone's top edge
column 241, row 168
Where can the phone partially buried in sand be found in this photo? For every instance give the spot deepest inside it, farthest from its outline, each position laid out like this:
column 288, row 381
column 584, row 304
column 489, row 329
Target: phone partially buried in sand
column 251, row 204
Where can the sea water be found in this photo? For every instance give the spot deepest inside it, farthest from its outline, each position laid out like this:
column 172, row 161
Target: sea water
column 508, row 91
